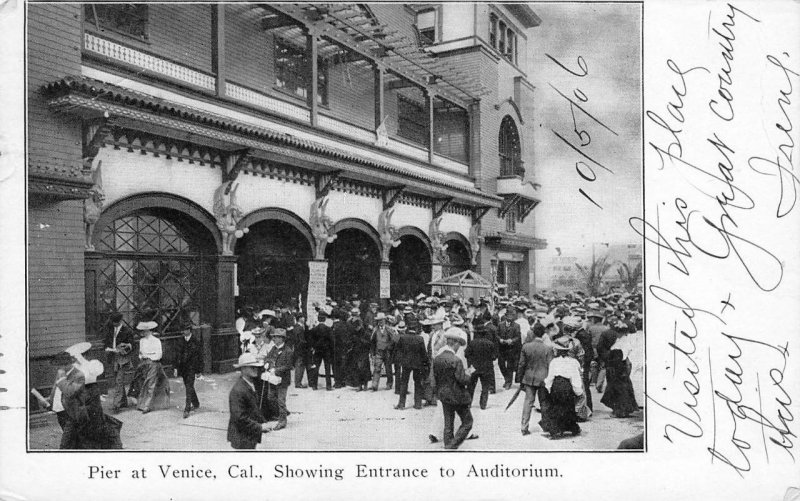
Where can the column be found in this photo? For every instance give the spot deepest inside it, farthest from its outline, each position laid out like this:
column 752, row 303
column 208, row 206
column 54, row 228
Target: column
column 436, row 274
column 380, row 74
column 312, row 94
column 225, row 339
column 385, row 280
column 317, row 287
column 218, row 46
column 429, row 97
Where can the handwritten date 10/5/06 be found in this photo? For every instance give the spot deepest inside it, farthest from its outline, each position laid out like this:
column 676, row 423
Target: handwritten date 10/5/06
column 581, row 137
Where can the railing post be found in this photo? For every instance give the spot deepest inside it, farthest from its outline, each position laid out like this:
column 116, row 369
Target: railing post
column 380, row 75
column 429, row 97
column 313, row 75
column 218, row 46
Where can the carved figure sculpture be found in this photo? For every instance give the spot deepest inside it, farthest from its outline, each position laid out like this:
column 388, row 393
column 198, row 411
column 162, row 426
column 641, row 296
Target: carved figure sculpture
column 475, row 241
column 93, row 206
column 388, row 233
column 321, row 226
column 228, row 214
column 437, row 241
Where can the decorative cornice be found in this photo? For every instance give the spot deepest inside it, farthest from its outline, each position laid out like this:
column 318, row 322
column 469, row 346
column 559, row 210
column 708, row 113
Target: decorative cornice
column 133, row 140
column 92, row 97
column 61, row 188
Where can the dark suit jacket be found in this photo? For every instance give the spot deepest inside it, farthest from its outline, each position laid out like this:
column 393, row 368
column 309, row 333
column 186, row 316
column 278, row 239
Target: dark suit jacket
column 450, row 379
column 282, row 360
column 410, row 352
column 244, row 426
column 586, row 341
column 73, row 396
column 189, row 358
column 534, row 360
column 509, row 332
column 481, row 354
column 125, row 336
column 321, row 338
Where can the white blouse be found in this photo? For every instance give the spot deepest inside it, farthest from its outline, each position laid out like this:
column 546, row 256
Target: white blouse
column 150, row 347
column 568, row 368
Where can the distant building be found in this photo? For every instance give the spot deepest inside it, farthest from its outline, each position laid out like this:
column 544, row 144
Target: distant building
column 564, row 275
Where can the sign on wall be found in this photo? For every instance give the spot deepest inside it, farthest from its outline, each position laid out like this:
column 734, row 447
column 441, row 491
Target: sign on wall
column 317, row 288
column 385, row 282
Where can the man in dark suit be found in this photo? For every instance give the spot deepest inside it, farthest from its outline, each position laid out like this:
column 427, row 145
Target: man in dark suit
column 119, row 345
column 451, row 379
column 280, row 361
column 534, row 361
column 189, row 362
column 510, row 342
column 481, row 353
column 302, row 351
column 320, row 339
column 411, row 355
column 246, row 423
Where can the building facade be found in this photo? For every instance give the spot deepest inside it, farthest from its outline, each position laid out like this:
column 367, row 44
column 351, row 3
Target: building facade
column 188, row 158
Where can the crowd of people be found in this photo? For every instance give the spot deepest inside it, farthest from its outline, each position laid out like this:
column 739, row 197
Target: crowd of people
column 553, row 347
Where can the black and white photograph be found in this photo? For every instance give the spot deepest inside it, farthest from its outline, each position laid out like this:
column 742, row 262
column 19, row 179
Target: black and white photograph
column 334, row 227
column 385, row 250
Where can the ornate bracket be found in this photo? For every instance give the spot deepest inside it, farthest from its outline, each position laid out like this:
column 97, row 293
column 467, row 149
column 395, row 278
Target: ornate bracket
column 325, row 182
column 321, row 226
column 439, row 248
column 508, row 203
column 235, row 163
column 94, row 133
column 440, row 205
column 475, row 240
column 391, row 196
column 478, row 213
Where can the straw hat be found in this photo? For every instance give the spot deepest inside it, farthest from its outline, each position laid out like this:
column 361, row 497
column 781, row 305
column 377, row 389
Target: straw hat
column 247, row 360
column 146, row 326
column 457, row 334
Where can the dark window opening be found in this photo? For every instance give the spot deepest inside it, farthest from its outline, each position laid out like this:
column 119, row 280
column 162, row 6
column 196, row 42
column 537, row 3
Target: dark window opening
column 426, row 26
column 510, row 151
column 511, row 220
column 291, row 72
column 129, row 19
column 412, row 121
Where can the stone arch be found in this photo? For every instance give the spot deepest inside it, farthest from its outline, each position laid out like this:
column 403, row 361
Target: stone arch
column 458, row 237
column 359, row 224
column 414, row 231
column 459, row 253
column 514, row 107
column 155, row 200
column 279, row 214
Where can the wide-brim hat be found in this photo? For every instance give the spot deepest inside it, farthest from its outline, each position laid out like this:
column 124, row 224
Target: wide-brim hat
column 258, row 331
column 146, row 326
column 91, row 369
column 408, row 309
column 437, row 318
column 279, row 333
column 355, row 310
column 572, row 322
column 562, row 343
column 457, row 334
column 266, row 313
column 401, row 327
column 594, row 314
column 456, row 320
column 247, row 360
column 79, row 348
column 380, row 316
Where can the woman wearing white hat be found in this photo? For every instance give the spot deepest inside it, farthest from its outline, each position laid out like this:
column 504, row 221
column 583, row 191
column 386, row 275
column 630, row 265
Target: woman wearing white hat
column 150, row 354
column 565, row 385
column 452, row 377
column 86, row 426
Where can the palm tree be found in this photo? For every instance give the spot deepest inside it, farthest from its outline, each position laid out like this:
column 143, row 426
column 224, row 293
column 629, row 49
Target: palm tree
column 593, row 275
column 630, row 278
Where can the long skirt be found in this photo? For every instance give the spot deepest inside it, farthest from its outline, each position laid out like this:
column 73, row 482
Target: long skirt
column 149, row 381
column 619, row 395
column 359, row 371
column 91, row 428
column 558, row 415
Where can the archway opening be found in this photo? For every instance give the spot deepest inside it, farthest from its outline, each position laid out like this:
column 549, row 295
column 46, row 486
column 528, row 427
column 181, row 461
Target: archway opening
column 152, row 262
column 410, row 267
column 353, row 265
column 458, row 258
column 272, row 264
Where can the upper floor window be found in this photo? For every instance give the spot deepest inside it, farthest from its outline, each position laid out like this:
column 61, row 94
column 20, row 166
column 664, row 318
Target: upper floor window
column 412, row 121
column 128, row 19
column 291, row 72
column 511, row 220
column 509, row 147
column 503, row 38
column 426, row 26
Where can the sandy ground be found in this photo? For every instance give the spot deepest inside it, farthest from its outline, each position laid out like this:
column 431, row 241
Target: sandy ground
column 344, row 419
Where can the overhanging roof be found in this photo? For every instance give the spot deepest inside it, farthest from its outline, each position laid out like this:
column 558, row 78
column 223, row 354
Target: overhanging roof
column 91, row 98
column 524, row 13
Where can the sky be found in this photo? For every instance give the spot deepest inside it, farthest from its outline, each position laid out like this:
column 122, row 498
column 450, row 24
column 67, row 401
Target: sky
column 608, row 38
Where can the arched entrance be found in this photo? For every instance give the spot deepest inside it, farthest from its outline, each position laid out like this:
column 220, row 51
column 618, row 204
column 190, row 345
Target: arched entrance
column 152, row 261
column 458, row 255
column 272, row 263
column 410, row 266
column 354, row 261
